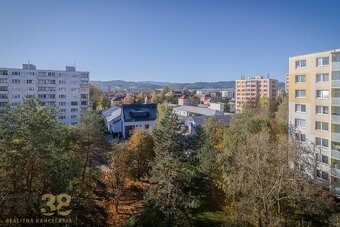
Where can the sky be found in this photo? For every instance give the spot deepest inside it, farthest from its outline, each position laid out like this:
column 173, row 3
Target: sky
column 173, row 41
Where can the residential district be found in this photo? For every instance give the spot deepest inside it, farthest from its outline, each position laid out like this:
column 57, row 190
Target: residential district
column 312, row 89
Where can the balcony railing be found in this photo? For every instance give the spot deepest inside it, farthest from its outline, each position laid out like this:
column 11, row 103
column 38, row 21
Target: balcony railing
column 335, row 119
column 336, row 101
column 335, row 170
column 336, row 154
column 336, row 137
column 335, row 191
column 336, row 83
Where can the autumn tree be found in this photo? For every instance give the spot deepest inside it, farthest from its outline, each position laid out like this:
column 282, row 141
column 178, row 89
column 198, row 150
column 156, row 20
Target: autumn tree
column 281, row 116
column 118, row 173
column 140, row 153
column 140, row 97
column 154, row 97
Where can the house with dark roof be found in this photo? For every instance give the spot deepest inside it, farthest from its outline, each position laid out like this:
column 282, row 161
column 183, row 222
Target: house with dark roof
column 195, row 121
column 138, row 116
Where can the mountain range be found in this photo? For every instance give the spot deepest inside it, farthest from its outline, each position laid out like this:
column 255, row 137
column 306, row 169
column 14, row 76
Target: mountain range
column 143, row 85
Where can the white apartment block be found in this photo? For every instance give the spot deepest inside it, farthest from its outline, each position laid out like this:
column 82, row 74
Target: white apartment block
column 253, row 88
column 68, row 90
column 314, row 110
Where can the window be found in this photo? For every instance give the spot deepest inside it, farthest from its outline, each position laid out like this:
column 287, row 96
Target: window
column 321, row 142
column 62, row 96
column 147, row 126
column 62, row 117
column 300, row 78
column 3, row 80
column 73, row 116
column 74, row 110
column 322, row 94
column 319, row 125
column 300, row 93
column 16, row 73
column 322, row 77
column 324, row 159
column 62, row 110
column 300, row 108
column 62, row 81
column 3, row 72
column 62, row 103
column 16, row 96
column 322, row 174
column 300, row 64
column 300, row 122
column 322, row 61
column 51, row 74
column 84, row 103
column 322, row 109
column 29, row 81
column 15, row 81
column 62, row 89
column 300, row 136
column 74, row 103
column 336, row 58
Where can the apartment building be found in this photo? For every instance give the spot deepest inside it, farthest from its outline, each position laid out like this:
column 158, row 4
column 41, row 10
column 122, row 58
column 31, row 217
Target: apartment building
column 314, row 110
column 253, row 88
column 68, row 90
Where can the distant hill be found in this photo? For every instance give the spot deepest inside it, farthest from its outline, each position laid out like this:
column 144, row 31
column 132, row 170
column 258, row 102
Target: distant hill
column 110, row 85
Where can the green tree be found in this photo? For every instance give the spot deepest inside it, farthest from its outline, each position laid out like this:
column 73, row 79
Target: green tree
column 95, row 95
column 281, row 116
column 166, row 192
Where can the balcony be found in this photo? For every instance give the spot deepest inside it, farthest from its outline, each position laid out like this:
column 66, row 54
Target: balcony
column 336, row 154
column 336, row 101
column 335, row 83
column 335, row 171
column 335, row 66
column 336, row 137
column 335, row 191
column 336, row 119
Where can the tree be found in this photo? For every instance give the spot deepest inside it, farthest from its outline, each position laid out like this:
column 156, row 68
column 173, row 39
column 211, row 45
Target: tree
column 154, row 97
column 95, row 95
column 166, row 191
column 89, row 137
column 140, row 97
column 35, row 155
column 281, row 116
column 226, row 106
column 140, row 153
column 128, row 100
column 165, row 90
column 118, row 173
column 162, row 111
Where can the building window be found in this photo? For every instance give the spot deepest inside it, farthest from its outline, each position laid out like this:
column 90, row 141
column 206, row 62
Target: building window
column 62, row 103
column 62, row 81
column 29, row 81
column 62, row 96
column 147, row 126
column 336, row 57
column 300, row 123
column 322, row 94
column 322, row 174
column 16, row 96
column 300, row 64
column 300, row 108
column 62, row 117
column 322, row 77
column 15, row 81
column 74, row 110
column 73, row 116
column 300, row 93
column 62, row 110
column 16, row 73
column 74, row 103
column 322, row 61
column 322, row 109
column 319, row 125
column 300, row 78
column 321, row 142
column 300, row 136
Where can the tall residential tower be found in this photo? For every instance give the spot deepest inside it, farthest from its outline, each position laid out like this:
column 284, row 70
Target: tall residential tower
column 314, row 109
column 253, row 88
column 68, row 90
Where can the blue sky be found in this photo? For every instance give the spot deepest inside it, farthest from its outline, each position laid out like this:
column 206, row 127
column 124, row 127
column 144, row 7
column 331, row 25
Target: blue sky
column 176, row 41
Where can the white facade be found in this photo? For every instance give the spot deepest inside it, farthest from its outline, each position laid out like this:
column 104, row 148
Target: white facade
column 68, row 90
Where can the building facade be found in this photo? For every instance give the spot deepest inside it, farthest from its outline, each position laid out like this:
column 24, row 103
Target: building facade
column 253, row 88
column 138, row 116
column 68, row 90
column 314, row 109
